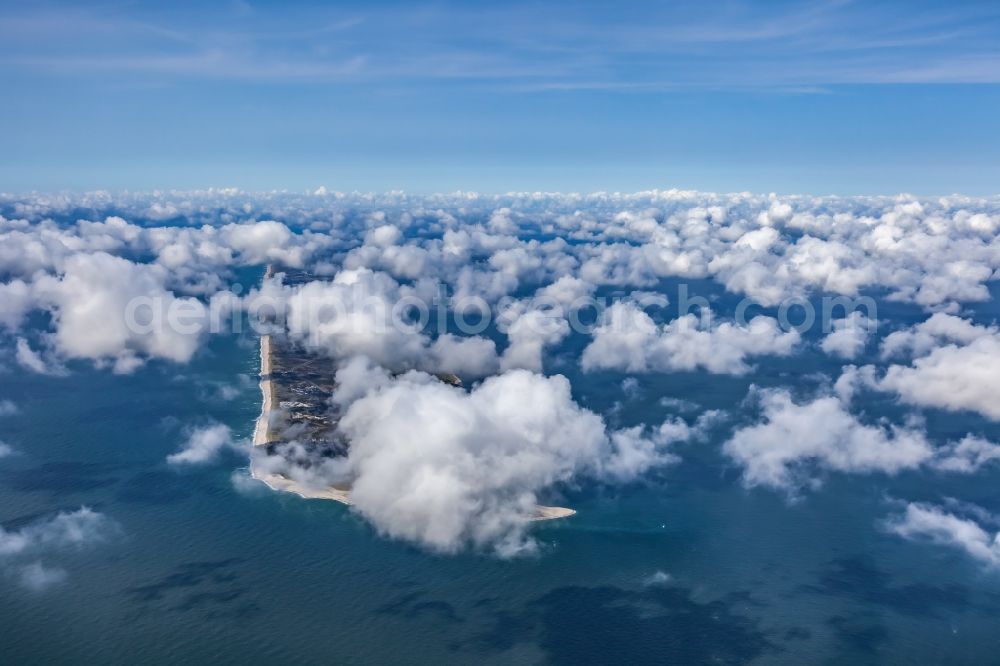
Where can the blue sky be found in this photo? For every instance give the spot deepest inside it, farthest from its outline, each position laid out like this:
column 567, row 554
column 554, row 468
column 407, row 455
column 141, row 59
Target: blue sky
column 815, row 97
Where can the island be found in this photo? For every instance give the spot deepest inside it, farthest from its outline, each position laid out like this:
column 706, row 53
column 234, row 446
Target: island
column 296, row 386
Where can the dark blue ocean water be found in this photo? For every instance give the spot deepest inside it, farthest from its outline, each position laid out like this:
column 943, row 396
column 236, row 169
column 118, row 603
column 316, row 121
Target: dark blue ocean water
column 687, row 567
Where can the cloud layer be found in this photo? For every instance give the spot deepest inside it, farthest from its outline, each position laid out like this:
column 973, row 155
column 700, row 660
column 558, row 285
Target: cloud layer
column 123, row 281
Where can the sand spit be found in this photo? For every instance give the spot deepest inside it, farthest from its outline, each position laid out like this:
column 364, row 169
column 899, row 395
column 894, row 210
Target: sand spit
column 284, row 484
column 552, row 512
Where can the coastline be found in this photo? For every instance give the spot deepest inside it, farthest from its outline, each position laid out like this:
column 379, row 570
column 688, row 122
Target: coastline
column 277, row 482
column 262, row 430
column 262, row 437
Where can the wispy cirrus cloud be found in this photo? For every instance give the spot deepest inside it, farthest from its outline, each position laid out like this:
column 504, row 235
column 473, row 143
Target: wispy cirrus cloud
column 546, row 48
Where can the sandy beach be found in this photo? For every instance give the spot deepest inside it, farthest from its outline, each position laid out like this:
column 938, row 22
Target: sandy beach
column 284, row 484
column 262, row 430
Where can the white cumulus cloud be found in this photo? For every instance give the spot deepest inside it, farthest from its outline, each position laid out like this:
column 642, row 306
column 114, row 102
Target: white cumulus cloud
column 794, row 441
column 921, row 521
column 446, row 468
column 203, row 445
column 848, row 337
column 628, row 339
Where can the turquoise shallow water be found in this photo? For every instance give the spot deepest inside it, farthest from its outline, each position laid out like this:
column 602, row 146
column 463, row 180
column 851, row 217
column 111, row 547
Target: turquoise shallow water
column 688, row 567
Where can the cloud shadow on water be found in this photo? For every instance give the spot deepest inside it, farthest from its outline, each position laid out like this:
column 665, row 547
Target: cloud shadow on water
column 205, row 587
column 413, row 604
column 186, row 576
column 859, row 579
column 858, row 635
column 656, row 625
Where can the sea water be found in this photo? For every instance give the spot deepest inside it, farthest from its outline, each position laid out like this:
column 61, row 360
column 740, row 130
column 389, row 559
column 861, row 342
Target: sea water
column 688, row 566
